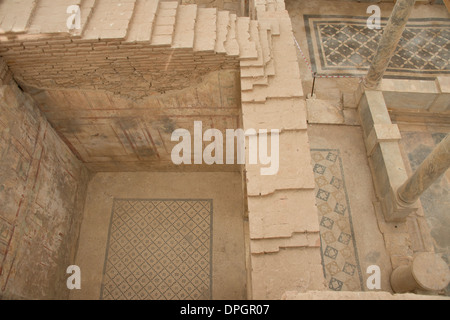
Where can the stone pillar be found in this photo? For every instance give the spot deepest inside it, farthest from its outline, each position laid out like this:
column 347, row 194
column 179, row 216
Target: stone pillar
column 389, row 41
column 428, row 172
column 428, row 272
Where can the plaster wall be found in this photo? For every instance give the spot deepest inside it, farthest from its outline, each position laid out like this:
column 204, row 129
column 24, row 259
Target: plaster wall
column 42, row 191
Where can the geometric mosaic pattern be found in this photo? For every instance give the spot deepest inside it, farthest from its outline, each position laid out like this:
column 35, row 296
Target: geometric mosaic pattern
column 338, row 247
column 342, row 44
column 159, row 250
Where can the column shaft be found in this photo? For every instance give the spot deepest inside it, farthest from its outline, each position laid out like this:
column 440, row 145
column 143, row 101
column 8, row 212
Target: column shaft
column 428, row 172
column 389, row 41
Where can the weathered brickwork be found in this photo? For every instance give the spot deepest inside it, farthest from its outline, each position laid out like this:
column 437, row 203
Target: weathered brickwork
column 133, row 48
column 132, row 70
column 42, row 192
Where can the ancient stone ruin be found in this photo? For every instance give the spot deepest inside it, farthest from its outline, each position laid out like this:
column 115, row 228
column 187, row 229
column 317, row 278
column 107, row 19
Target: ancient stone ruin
column 95, row 96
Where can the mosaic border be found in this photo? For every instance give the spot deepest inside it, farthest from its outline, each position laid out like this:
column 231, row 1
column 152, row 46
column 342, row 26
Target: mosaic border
column 355, row 247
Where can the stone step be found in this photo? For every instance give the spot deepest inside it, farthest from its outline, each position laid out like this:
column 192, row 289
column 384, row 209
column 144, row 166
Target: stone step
column 231, row 44
column 206, row 30
column 286, row 82
column 265, row 52
column 185, row 27
column 223, row 21
column 252, row 72
column 279, row 86
column 51, row 16
column 254, row 37
column 274, row 245
column 110, row 19
column 270, row 64
column 163, row 30
column 266, row 45
column 247, row 48
column 248, row 84
column 271, row 24
column 254, row 68
column 15, row 16
column 141, row 26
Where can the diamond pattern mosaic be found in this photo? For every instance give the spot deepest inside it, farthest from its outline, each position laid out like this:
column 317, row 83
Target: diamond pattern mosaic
column 339, row 253
column 345, row 45
column 159, row 250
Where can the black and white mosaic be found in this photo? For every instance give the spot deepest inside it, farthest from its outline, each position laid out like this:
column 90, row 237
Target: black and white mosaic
column 159, row 249
column 345, row 45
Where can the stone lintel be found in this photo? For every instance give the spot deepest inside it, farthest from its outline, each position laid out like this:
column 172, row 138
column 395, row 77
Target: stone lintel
column 409, row 94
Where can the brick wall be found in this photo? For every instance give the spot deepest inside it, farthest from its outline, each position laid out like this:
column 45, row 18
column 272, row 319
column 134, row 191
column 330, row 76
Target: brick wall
column 134, row 48
column 133, row 70
column 42, row 192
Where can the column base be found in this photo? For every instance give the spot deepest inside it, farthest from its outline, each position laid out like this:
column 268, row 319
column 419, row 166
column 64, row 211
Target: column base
column 371, row 86
column 427, row 273
column 394, row 209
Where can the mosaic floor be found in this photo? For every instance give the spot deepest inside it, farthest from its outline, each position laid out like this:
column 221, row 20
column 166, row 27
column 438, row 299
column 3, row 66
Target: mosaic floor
column 159, row 249
column 344, row 45
column 339, row 253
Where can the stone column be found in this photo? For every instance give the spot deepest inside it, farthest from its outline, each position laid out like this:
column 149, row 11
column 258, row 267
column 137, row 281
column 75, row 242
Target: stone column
column 428, row 272
column 428, row 172
column 389, row 41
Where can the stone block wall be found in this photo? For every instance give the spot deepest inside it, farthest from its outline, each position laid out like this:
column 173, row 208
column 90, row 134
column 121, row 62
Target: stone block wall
column 418, row 100
column 42, row 192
